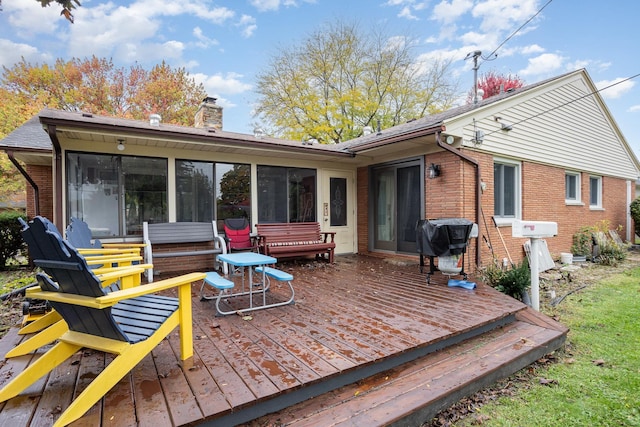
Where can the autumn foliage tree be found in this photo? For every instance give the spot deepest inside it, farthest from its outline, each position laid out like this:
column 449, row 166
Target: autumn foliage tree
column 341, row 79
column 94, row 85
column 492, row 83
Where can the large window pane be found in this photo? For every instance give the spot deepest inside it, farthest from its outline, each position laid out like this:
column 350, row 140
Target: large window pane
column 93, row 192
column 115, row 194
column 194, row 186
column 571, row 186
column 595, row 191
column 286, row 194
column 145, row 190
column 233, row 191
column 505, row 190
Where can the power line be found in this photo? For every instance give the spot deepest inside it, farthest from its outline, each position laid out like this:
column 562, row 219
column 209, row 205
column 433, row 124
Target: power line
column 516, row 31
column 569, row 102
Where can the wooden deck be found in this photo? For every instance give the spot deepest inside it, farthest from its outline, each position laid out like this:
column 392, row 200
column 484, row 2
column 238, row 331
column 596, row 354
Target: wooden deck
column 367, row 342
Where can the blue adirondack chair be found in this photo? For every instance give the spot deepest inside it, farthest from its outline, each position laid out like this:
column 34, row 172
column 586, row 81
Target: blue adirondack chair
column 128, row 323
column 50, row 326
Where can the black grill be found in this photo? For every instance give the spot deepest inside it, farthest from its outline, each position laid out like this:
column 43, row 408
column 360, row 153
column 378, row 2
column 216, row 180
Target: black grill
column 442, row 237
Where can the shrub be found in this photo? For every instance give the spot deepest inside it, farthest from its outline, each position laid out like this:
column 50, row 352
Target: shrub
column 11, row 243
column 513, row 282
column 609, row 251
column 583, row 242
column 635, row 214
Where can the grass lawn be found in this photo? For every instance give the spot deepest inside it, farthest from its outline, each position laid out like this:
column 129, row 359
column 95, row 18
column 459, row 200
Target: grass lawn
column 597, row 379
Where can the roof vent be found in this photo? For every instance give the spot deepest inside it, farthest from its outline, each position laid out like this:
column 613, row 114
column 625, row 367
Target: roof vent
column 154, row 120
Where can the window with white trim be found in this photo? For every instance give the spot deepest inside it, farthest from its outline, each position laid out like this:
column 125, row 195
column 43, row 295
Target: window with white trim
column 572, row 187
column 595, row 191
column 506, row 187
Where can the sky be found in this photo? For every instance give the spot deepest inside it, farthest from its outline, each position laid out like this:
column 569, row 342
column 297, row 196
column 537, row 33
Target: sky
column 224, row 44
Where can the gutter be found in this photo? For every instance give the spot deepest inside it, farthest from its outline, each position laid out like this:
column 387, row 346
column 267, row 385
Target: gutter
column 25, row 174
column 381, row 142
column 476, row 165
column 211, row 136
column 57, row 176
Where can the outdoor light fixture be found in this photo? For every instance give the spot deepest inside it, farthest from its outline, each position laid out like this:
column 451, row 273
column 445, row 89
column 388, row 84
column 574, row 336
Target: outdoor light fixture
column 503, row 125
column 120, row 145
column 434, row 171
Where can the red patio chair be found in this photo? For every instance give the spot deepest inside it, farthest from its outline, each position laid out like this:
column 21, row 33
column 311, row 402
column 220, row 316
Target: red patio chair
column 238, row 235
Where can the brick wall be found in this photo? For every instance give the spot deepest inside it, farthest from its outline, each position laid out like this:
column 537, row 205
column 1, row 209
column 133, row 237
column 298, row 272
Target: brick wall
column 363, row 209
column 43, row 177
column 452, row 194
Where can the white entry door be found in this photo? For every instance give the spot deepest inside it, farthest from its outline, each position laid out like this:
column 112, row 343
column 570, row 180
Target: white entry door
column 338, row 209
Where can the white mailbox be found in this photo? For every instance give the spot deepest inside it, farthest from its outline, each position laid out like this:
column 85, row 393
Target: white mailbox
column 535, row 229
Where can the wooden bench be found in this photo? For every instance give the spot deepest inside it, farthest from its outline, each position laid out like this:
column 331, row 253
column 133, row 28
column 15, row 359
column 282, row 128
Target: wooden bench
column 283, row 240
column 174, row 233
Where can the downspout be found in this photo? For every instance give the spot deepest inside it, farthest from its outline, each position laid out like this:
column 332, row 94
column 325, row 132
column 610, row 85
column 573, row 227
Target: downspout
column 476, row 165
column 25, row 174
column 57, row 178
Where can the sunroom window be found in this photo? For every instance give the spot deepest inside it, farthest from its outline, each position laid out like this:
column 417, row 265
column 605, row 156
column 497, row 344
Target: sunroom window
column 206, row 191
column 114, row 194
column 286, row 194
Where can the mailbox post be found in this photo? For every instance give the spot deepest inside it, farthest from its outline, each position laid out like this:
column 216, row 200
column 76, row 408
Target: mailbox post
column 534, row 230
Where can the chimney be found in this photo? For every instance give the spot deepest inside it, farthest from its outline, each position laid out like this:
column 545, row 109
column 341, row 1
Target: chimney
column 209, row 115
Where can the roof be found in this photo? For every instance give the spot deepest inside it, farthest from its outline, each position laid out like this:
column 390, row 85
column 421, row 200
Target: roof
column 402, row 139
column 433, row 122
column 29, row 136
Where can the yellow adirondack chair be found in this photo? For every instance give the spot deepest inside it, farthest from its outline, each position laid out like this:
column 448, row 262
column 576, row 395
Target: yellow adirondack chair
column 50, row 325
column 128, row 323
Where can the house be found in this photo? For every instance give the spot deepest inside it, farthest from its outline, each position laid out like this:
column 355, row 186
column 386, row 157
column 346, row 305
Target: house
column 549, row 151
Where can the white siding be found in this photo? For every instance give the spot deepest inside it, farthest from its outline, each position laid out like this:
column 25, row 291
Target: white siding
column 559, row 124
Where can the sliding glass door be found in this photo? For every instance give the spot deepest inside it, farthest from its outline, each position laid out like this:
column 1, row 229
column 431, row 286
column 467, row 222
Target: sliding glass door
column 397, row 191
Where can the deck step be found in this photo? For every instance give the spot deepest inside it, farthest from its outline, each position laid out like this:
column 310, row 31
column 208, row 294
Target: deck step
column 415, row 392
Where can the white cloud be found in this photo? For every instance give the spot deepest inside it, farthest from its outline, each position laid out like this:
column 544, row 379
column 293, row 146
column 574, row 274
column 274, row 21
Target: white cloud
column 543, row 65
column 265, row 5
column 532, row 49
column 504, row 15
column 203, row 40
column 406, row 13
column 248, row 25
column 219, row 84
column 11, row 53
column 634, row 109
column 448, row 12
column 155, row 8
column 271, row 5
column 615, row 88
column 133, row 32
column 29, row 18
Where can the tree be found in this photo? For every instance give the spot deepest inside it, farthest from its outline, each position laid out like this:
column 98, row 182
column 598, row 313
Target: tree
column 493, row 83
column 340, row 80
column 92, row 85
column 95, row 85
column 233, row 200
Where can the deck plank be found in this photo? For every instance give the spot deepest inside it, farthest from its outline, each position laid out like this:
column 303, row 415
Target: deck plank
column 385, row 398
column 151, row 406
column 184, row 407
column 348, row 319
